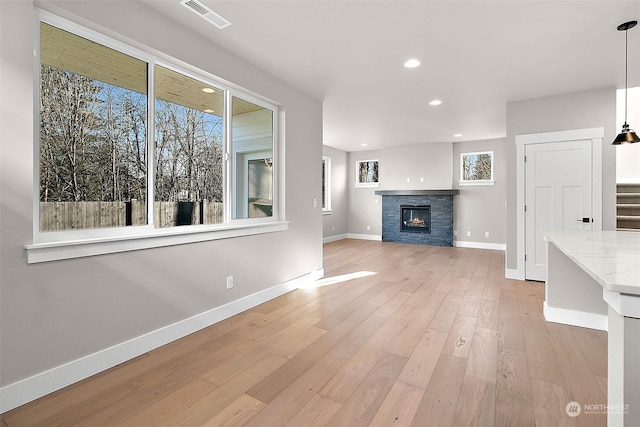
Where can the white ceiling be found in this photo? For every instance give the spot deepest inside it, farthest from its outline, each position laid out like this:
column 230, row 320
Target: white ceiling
column 476, row 56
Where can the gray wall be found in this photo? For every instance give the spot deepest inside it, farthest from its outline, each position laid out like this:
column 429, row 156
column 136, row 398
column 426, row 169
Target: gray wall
column 57, row 312
column 589, row 109
column 429, row 161
column 478, row 209
column 481, row 208
column 335, row 224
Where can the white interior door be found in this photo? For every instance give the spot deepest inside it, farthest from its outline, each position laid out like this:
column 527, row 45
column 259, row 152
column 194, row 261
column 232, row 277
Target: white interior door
column 558, row 196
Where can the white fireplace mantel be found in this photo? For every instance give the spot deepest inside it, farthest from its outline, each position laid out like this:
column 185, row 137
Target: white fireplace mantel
column 417, row 192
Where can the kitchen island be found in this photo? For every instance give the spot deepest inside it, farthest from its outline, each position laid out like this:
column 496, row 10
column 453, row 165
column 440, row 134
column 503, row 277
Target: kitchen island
column 593, row 280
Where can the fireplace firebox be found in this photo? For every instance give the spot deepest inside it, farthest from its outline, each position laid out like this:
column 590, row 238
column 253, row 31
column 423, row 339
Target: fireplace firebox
column 415, row 219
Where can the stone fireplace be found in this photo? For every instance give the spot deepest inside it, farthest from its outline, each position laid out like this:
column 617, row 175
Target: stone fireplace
column 423, row 217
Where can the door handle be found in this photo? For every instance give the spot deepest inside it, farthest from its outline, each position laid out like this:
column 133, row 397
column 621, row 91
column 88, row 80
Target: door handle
column 587, row 220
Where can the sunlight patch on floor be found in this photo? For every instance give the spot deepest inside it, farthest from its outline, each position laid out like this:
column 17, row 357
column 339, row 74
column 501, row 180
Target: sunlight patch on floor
column 338, row 279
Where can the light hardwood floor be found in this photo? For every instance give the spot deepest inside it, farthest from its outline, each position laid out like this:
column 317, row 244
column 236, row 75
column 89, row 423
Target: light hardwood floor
column 436, row 337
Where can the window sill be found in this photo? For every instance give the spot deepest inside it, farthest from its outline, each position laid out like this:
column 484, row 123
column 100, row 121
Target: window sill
column 52, row 251
column 471, row 183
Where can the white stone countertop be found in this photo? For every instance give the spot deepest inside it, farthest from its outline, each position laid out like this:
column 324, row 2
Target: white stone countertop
column 612, row 258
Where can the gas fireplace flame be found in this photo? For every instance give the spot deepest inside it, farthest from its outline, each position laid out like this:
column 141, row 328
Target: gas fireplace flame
column 416, row 222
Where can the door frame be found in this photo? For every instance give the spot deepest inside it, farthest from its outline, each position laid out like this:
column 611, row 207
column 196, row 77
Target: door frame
column 596, row 136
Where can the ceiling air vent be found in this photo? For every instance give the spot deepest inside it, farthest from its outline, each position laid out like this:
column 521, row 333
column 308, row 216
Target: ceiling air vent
column 208, row 14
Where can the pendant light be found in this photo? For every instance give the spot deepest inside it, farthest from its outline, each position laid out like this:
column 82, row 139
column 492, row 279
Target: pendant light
column 627, row 136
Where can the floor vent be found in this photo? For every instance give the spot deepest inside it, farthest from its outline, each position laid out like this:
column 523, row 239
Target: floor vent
column 206, row 13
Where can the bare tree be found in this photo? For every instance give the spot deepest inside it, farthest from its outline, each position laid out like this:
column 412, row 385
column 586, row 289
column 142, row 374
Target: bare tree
column 93, row 144
column 188, row 154
column 92, row 139
column 67, row 129
column 476, row 167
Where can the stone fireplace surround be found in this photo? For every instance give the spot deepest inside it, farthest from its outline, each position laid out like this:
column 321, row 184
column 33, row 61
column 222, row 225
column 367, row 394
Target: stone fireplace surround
column 441, row 202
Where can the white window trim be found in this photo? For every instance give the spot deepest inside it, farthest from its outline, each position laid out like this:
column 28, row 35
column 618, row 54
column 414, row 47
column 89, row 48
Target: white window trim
column 67, row 244
column 51, row 251
column 478, row 182
column 475, row 182
column 230, row 166
column 366, row 184
column 326, row 210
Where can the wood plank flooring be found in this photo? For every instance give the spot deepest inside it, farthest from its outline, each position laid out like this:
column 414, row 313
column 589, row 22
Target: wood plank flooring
column 432, row 337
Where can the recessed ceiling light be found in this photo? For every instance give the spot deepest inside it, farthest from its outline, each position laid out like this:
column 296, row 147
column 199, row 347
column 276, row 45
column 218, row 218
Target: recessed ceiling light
column 457, row 135
column 209, row 110
column 435, row 102
column 208, row 90
column 363, row 145
column 412, row 63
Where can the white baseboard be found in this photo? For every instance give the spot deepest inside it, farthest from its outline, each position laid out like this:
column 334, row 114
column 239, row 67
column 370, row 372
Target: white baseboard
column 24, row 391
column 364, row 237
column 511, row 273
column 335, row 238
column 480, row 245
column 576, row 318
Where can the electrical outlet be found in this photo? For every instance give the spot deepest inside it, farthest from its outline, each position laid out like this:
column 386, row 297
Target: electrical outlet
column 333, row 228
column 315, row 203
column 408, row 179
column 229, row 282
column 486, row 234
column 468, row 234
column 368, row 227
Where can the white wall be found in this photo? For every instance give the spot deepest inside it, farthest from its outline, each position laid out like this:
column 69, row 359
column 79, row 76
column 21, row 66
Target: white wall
column 589, row 109
column 628, row 156
column 477, row 209
column 426, row 167
column 481, row 209
column 58, row 312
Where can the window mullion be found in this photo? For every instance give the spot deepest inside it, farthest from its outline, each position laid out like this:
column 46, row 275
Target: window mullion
column 228, row 182
column 151, row 143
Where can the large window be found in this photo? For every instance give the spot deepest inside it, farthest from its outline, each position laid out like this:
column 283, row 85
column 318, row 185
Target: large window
column 201, row 155
column 189, row 150
column 252, row 152
column 93, row 112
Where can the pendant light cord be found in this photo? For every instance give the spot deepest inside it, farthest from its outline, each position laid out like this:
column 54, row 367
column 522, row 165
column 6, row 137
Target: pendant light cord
column 626, row 66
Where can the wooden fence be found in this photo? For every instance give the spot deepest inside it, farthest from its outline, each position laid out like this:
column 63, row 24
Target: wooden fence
column 168, row 214
column 77, row 215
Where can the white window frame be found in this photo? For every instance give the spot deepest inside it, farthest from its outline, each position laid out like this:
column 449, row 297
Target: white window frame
column 56, row 245
column 462, row 181
column 326, row 208
column 231, row 186
column 367, row 184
